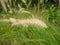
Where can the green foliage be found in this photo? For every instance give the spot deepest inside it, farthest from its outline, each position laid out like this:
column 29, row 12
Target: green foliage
column 52, row 15
column 31, row 35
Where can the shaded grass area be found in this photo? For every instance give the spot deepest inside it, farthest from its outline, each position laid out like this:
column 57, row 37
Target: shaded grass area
column 17, row 15
column 31, row 35
column 22, row 15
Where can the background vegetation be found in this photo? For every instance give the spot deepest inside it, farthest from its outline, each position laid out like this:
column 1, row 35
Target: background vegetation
column 46, row 10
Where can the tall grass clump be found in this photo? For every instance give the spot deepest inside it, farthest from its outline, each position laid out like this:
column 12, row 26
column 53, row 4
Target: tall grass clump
column 52, row 15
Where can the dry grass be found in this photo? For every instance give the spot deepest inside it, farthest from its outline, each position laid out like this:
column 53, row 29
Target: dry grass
column 26, row 22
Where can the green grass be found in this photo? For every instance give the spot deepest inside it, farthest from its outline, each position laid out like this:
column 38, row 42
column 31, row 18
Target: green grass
column 18, row 16
column 31, row 35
